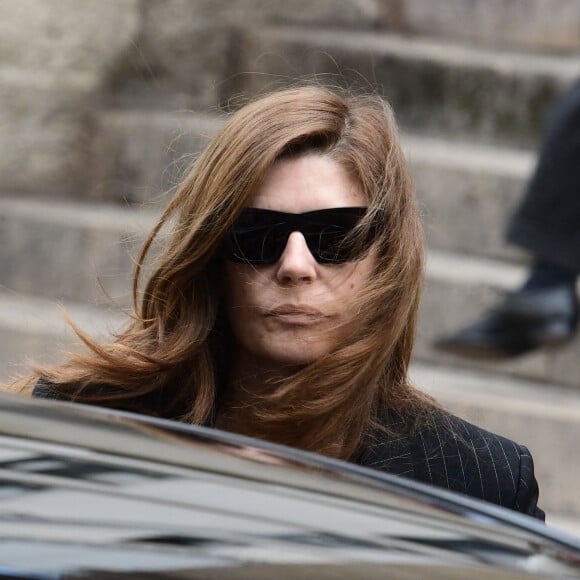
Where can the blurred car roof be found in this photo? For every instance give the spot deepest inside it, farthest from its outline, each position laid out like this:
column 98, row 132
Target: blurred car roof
column 87, row 492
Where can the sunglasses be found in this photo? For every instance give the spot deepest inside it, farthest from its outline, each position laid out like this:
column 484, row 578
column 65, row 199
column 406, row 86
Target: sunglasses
column 259, row 237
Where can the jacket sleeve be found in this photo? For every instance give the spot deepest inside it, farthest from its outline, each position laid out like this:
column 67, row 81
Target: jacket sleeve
column 45, row 390
column 468, row 459
column 526, row 500
column 42, row 390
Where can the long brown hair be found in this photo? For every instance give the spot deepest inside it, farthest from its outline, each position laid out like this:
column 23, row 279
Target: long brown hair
column 167, row 361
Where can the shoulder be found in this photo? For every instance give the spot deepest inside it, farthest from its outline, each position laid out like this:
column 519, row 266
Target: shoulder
column 46, row 390
column 453, row 453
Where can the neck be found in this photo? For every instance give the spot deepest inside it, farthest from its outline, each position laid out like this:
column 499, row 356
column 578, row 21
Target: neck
column 250, row 379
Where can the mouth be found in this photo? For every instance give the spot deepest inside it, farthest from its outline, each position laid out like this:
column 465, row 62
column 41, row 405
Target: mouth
column 299, row 315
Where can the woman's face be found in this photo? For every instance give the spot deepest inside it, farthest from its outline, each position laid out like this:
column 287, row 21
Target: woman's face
column 294, row 311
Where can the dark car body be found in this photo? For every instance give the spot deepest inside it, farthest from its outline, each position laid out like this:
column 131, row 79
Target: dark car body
column 93, row 493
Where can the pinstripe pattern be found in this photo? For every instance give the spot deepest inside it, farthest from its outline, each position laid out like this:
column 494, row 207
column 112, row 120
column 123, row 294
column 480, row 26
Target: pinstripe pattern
column 456, row 455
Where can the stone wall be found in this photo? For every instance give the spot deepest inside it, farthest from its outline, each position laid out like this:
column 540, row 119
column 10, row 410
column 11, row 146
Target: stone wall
column 61, row 60
column 54, row 55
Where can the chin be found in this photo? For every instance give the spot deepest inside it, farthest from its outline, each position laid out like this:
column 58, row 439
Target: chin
column 294, row 359
column 295, row 355
column 276, row 350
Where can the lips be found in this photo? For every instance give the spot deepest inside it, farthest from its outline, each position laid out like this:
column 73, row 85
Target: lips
column 296, row 314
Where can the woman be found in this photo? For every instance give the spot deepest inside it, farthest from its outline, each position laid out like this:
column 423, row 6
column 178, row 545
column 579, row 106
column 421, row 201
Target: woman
column 283, row 303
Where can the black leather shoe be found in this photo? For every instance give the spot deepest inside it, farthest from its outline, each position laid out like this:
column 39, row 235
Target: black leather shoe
column 525, row 321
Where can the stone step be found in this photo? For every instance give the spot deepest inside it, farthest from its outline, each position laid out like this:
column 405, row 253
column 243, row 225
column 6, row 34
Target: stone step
column 458, row 289
column 538, row 24
column 434, row 86
column 467, row 193
column 544, row 417
column 70, row 250
column 552, row 25
column 199, row 57
column 566, row 523
column 139, row 155
column 467, row 190
column 33, row 329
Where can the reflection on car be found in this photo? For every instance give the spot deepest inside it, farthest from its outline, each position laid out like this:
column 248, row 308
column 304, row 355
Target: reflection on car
column 94, row 493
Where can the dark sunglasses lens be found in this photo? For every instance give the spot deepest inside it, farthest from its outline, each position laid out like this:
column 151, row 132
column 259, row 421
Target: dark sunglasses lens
column 258, row 246
column 329, row 244
column 327, row 234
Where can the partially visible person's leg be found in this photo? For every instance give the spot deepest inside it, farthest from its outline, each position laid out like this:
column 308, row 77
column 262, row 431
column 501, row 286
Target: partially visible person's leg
column 547, row 222
column 544, row 311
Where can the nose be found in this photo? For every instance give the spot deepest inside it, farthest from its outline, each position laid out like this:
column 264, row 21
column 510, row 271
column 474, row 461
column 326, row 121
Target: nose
column 296, row 264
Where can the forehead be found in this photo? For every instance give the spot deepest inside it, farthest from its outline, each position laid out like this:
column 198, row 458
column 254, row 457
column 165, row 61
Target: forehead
column 307, row 183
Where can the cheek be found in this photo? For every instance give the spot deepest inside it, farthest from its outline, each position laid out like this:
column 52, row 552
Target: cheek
column 357, row 278
column 239, row 285
column 243, row 293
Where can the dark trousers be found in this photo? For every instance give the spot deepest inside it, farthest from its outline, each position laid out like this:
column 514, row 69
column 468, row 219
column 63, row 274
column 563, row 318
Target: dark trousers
column 547, row 222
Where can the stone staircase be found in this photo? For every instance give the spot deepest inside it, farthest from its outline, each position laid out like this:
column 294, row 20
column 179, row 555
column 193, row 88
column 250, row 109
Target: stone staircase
column 470, row 99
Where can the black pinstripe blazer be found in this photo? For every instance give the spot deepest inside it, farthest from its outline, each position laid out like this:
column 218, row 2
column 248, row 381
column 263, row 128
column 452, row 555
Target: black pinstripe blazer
column 458, row 456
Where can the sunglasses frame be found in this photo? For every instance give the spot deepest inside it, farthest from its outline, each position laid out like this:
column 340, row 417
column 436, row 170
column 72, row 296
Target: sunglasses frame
column 258, row 220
